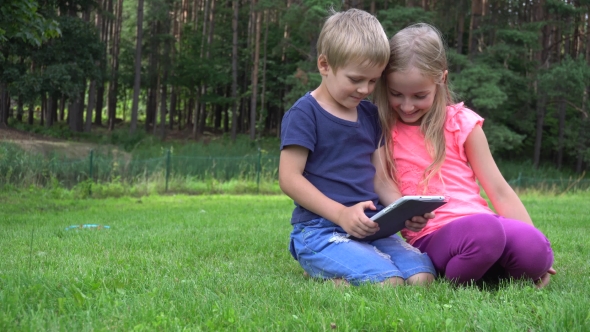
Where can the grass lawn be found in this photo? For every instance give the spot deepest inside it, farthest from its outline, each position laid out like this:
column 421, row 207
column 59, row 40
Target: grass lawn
column 194, row 263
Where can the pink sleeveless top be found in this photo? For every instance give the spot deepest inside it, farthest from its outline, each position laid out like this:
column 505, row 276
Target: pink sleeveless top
column 456, row 180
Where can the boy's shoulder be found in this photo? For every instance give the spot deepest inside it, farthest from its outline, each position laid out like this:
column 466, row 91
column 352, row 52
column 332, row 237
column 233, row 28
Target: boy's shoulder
column 305, row 102
column 309, row 106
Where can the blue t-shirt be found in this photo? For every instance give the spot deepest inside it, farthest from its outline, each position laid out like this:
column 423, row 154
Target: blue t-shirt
column 339, row 161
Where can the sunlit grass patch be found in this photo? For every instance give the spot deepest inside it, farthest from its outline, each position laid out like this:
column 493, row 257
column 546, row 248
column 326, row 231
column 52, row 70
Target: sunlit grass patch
column 179, row 262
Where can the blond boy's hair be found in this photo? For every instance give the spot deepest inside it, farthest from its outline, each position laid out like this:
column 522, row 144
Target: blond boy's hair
column 353, row 35
column 418, row 46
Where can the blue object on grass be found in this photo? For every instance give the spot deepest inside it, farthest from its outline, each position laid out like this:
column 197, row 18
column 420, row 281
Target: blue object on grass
column 88, row 226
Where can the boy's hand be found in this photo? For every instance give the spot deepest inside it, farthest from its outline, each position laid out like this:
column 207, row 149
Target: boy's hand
column 418, row 222
column 355, row 222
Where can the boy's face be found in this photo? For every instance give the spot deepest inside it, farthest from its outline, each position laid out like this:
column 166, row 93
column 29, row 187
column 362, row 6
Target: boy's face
column 349, row 84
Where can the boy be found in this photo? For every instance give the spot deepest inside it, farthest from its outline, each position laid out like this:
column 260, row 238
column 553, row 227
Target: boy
column 331, row 164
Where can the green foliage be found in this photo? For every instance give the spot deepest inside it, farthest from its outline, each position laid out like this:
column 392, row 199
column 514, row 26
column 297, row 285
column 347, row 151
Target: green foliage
column 122, row 138
column 20, row 19
column 501, row 80
column 58, row 130
column 301, row 82
column 566, row 79
column 501, row 138
column 399, row 17
column 479, row 85
column 65, row 66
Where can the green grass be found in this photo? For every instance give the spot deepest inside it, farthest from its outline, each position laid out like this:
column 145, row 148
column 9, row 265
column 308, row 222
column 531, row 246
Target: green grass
column 170, row 263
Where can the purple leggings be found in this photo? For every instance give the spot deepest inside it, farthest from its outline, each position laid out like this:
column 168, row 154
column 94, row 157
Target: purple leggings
column 479, row 245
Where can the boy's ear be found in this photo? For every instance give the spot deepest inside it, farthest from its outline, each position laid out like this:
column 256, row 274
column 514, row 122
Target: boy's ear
column 323, row 65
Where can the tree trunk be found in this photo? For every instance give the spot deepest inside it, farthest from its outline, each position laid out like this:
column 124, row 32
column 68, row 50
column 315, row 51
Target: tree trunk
column 62, row 107
column 195, row 117
column 256, row 59
column 476, row 17
column 173, row 106
column 99, row 103
column 19, row 109
column 3, row 105
column 263, row 112
column 542, row 58
column 91, row 105
column 460, row 28
column 234, row 70
column 226, row 94
column 164, row 82
column 198, row 126
column 51, row 110
column 137, row 74
column 152, row 102
column 43, row 108
column 31, row 117
column 209, row 33
column 561, row 131
column 163, row 101
column 114, row 83
column 584, row 135
column 104, row 28
column 218, row 114
column 177, row 19
column 76, row 112
column 189, row 111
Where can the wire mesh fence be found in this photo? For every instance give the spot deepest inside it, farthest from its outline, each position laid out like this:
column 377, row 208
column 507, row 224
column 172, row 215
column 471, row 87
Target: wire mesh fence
column 20, row 169
column 558, row 185
column 39, row 170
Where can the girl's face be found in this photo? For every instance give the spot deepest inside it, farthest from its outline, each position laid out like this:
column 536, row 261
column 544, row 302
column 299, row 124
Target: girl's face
column 410, row 95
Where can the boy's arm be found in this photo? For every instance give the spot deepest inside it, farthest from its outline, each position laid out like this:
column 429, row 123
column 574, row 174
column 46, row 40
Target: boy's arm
column 502, row 196
column 352, row 219
column 387, row 191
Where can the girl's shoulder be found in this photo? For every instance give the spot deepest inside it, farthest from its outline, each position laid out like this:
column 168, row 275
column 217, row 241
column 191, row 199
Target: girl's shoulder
column 461, row 118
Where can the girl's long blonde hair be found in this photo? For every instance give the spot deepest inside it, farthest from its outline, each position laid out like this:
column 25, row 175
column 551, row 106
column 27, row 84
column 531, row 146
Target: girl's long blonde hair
column 418, row 46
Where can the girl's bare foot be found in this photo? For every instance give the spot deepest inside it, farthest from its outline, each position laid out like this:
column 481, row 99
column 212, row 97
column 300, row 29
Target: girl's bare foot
column 544, row 280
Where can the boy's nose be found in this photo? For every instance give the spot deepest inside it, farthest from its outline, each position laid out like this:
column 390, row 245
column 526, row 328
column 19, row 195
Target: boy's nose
column 363, row 88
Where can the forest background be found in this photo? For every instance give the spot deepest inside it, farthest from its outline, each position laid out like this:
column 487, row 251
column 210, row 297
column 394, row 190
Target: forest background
column 203, row 67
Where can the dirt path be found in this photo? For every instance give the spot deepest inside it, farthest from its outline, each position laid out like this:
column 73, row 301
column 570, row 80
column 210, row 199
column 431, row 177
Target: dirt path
column 39, row 144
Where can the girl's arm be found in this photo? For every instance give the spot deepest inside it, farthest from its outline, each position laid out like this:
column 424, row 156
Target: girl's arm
column 291, row 180
column 386, row 189
column 389, row 192
column 504, row 199
column 502, row 196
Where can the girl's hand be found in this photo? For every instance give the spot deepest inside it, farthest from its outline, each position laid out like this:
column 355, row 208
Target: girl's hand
column 418, row 222
column 355, row 222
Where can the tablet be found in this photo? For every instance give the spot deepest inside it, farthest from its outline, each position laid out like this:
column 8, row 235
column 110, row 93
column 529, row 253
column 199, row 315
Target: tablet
column 392, row 219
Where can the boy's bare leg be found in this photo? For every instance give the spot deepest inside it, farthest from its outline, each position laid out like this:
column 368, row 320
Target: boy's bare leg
column 395, row 281
column 420, row 279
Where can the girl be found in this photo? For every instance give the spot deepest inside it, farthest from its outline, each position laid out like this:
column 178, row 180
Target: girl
column 437, row 147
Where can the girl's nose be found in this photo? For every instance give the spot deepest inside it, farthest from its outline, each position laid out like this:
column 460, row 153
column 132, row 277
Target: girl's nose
column 406, row 106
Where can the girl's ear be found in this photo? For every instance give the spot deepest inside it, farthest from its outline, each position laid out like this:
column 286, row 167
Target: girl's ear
column 445, row 76
column 323, row 65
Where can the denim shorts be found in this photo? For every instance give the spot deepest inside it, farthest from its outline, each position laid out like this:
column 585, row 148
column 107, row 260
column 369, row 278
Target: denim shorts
column 324, row 251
